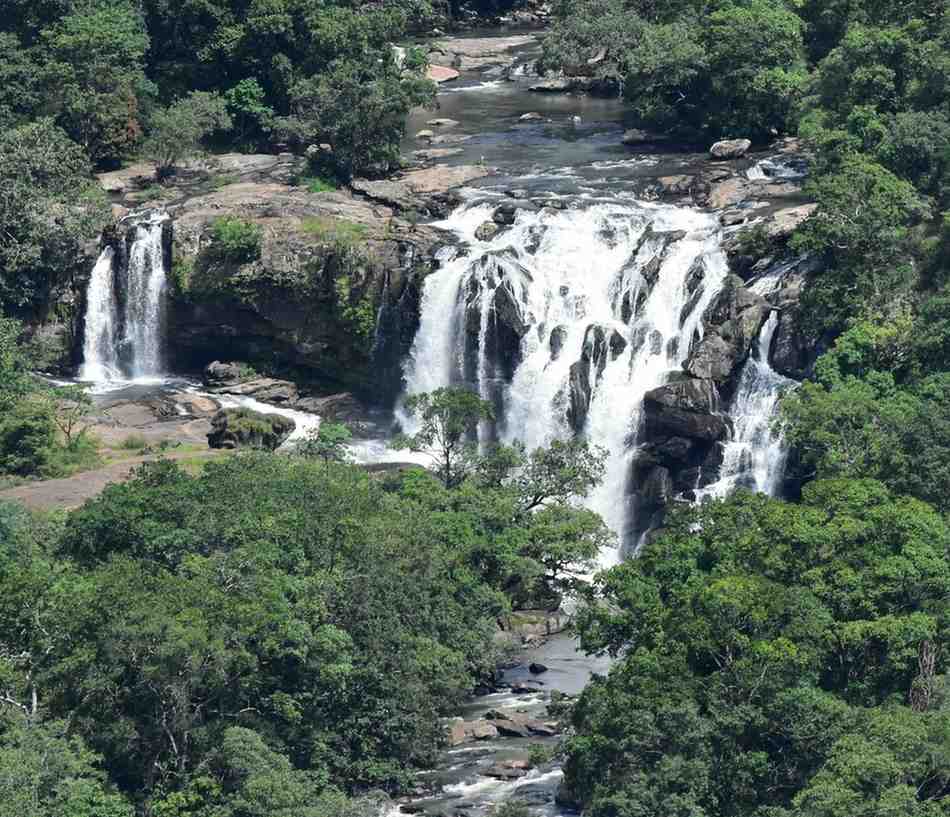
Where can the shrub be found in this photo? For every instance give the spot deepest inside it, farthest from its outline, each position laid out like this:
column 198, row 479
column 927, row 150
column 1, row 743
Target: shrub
column 316, row 184
column 27, row 438
column 134, row 442
column 236, row 240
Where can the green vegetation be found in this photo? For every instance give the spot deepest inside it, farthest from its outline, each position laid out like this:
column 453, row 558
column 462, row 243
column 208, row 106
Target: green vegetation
column 335, row 230
column 169, row 79
column 778, row 659
column 329, row 443
column 787, row 659
column 273, row 635
column 315, row 184
column 42, row 428
column 49, row 208
column 235, row 241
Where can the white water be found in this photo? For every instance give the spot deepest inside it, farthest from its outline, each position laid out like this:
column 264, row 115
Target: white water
column 100, row 356
column 755, row 457
column 571, row 271
column 776, row 168
column 145, row 299
column 124, row 334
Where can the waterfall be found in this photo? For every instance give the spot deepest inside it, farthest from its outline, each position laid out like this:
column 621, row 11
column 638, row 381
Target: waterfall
column 126, row 307
column 100, row 358
column 755, row 456
column 566, row 320
column 145, row 299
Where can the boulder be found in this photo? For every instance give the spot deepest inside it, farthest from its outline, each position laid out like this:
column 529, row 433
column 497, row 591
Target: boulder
column 221, row 374
column 456, row 733
column 425, row 135
column 341, row 408
column 265, row 389
column 511, row 729
column 536, row 668
column 687, row 408
column 244, row 428
column 431, row 154
column 503, row 771
column 441, row 73
column 783, row 223
column 505, row 214
column 482, row 730
column 554, row 86
column 730, row 149
column 713, row 358
column 487, row 231
column 533, row 116
column 635, row 136
column 442, row 122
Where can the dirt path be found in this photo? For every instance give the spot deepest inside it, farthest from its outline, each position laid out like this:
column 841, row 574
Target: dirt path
column 71, row 492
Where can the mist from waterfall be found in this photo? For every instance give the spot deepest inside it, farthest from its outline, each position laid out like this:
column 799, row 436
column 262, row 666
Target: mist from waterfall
column 125, row 308
column 566, row 320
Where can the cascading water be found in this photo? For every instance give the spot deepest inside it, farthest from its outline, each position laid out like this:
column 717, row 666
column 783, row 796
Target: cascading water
column 101, row 362
column 126, row 308
column 755, row 457
column 145, row 299
column 567, row 319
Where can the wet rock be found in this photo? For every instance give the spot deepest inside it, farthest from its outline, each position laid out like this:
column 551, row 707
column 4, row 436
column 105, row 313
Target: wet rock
column 432, row 154
column 217, row 373
column 554, row 86
column 730, row 149
column 713, row 357
column 442, row 122
column 556, row 341
column 501, row 771
column 511, row 729
column 487, row 231
column 530, row 117
column 244, row 428
column 425, row 135
column 526, row 687
column 635, row 136
column 505, row 214
column 542, row 729
column 481, row 730
column 675, row 450
column 567, row 797
column 686, row 408
column 536, row 668
column 733, row 321
column 265, row 389
column 792, row 353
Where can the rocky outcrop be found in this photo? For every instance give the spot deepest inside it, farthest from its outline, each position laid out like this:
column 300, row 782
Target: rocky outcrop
column 477, row 53
column 244, row 428
column 732, row 323
column 689, row 408
column 730, row 149
column 329, row 264
column 601, row 344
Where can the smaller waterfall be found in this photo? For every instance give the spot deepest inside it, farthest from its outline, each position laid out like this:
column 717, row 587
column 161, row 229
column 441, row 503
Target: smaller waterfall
column 755, row 456
column 145, row 299
column 125, row 307
column 101, row 362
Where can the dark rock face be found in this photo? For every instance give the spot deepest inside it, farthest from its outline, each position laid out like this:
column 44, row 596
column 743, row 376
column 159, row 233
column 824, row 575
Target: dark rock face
column 732, row 323
column 600, row 346
column 243, row 428
column 556, row 342
column 687, row 408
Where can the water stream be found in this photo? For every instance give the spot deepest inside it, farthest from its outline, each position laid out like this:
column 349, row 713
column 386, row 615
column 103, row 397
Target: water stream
column 566, row 320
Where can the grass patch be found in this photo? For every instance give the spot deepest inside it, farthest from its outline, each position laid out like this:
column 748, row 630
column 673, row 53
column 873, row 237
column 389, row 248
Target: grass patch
column 336, row 230
column 316, row 184
column 134, row 442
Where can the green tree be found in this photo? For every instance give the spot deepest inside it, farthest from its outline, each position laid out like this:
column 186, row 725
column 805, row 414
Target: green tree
column 93, row 76
column 329, row 442
column 448, row 421
column 177, row 133
column 49, row 207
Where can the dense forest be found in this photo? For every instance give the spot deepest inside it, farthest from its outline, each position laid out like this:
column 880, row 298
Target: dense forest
column 280, row 636
column 790, row 658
